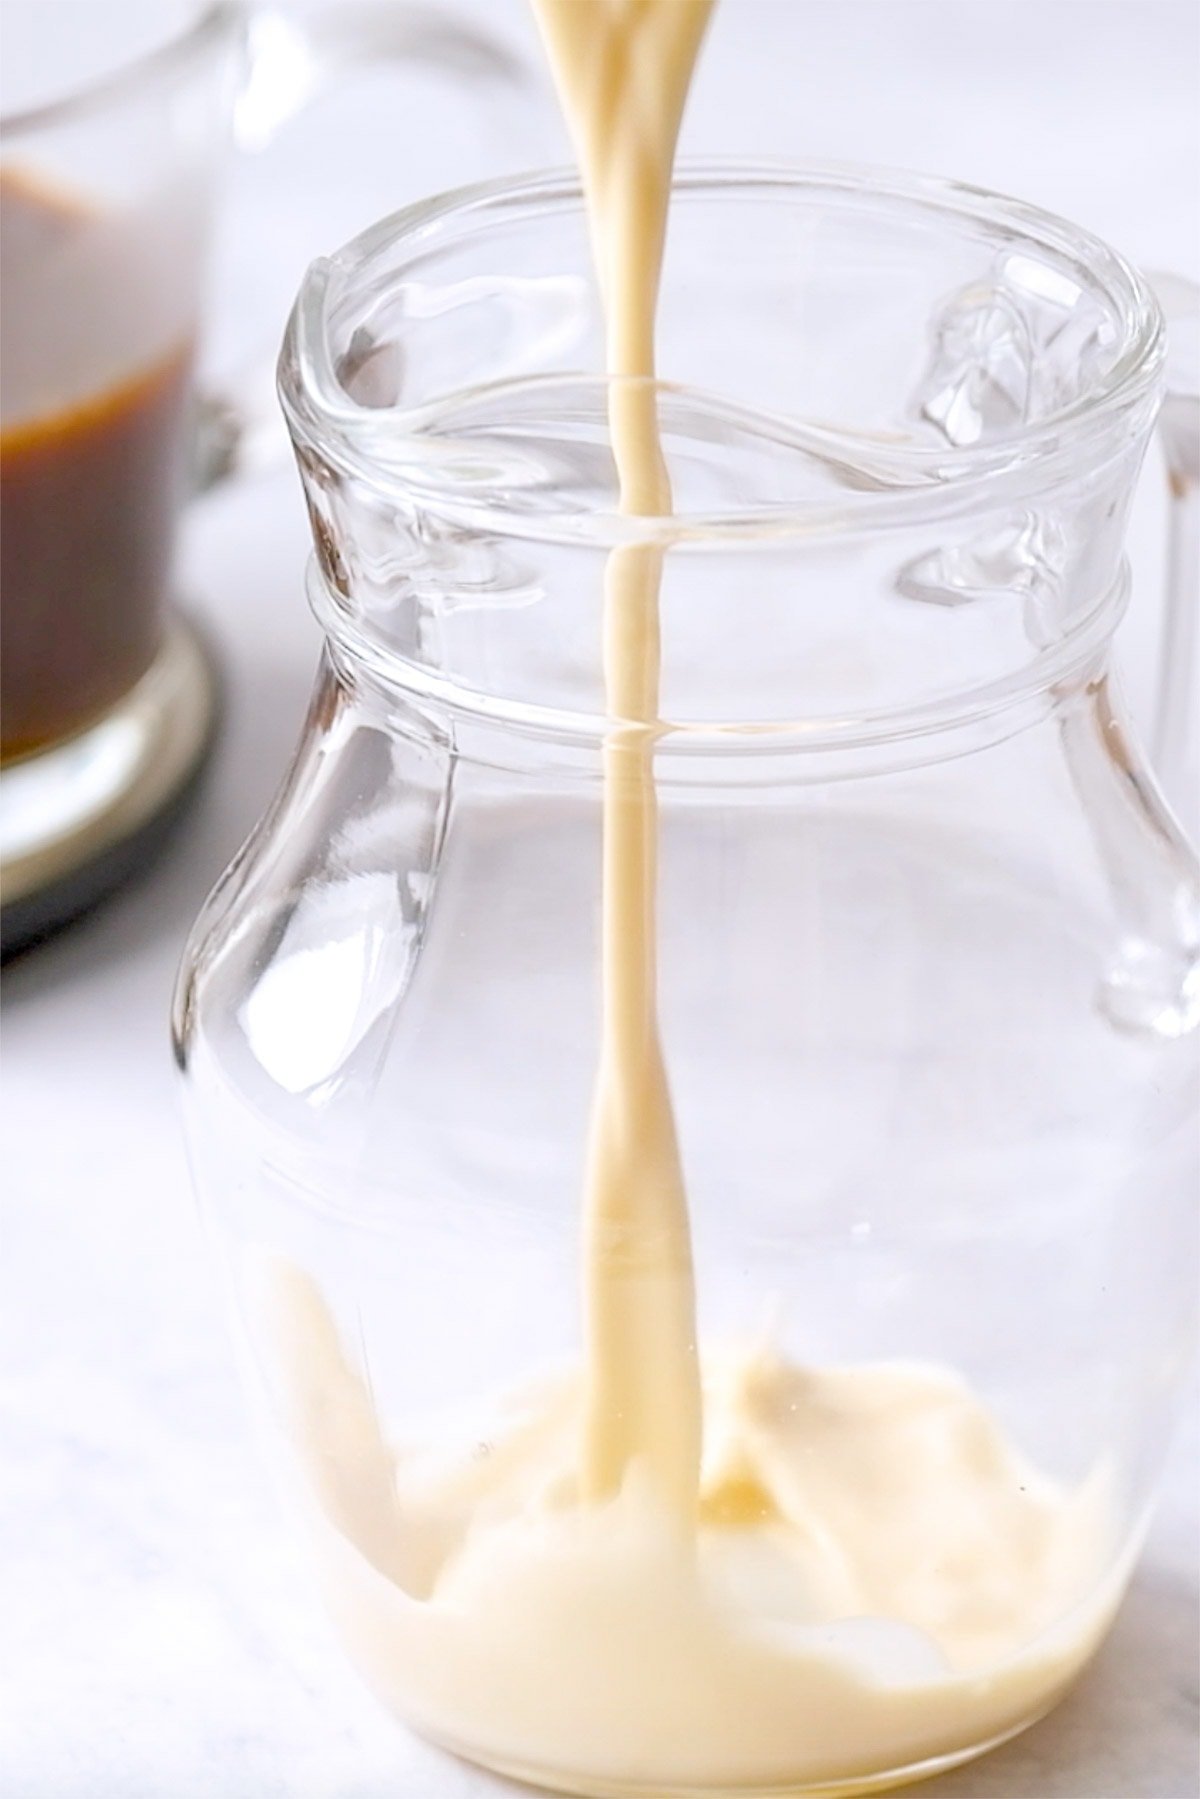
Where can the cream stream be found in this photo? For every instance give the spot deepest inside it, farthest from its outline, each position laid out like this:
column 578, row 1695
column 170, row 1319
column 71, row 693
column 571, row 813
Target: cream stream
column 624, row 68
column 727, row 1575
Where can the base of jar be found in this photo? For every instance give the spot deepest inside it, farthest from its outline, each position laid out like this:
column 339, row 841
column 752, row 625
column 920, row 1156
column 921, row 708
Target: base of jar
column 78, row 819
column 574, row 1786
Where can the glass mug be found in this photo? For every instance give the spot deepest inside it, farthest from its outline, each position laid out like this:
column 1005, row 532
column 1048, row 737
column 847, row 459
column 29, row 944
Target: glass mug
column 105, row 205
column 929, row 931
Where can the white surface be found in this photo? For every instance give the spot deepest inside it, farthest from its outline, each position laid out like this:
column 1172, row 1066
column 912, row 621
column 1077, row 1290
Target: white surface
column 162, row 1643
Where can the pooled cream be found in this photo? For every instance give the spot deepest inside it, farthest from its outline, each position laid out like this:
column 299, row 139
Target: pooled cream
column 875, row 1577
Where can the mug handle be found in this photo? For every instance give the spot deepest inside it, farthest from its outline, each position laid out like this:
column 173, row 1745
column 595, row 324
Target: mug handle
column 1174, row 737
column 289, row 62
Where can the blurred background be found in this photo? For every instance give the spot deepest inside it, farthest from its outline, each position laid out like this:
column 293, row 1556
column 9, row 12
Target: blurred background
column 150, row 1586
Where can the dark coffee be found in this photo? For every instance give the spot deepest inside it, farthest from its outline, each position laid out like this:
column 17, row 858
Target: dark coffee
column 89, row 491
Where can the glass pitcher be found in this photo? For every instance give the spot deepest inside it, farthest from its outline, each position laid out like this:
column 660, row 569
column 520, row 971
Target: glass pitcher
column 928, row 977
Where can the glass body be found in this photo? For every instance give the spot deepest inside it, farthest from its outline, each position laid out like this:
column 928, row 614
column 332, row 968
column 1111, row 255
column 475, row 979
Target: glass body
column 928, row 933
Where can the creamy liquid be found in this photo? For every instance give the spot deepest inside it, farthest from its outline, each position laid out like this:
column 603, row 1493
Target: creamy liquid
column 848, row 1571
column 874, row 1577
column 624, row 71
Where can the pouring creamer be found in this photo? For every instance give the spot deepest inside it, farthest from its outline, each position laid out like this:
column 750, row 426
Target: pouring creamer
column 738, row 717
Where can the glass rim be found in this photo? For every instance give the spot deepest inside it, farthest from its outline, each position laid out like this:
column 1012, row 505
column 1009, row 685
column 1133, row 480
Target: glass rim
column 119, row 84
column 942, row 480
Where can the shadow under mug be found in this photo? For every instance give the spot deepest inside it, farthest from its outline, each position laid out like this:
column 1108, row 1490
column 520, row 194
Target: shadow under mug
column 107, row 694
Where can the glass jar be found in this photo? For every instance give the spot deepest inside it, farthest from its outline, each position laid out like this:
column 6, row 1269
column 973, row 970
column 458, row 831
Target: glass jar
column 928, row 983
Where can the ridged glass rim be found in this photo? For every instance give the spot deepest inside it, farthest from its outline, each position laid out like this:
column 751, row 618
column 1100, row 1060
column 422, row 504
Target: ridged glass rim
column 950, row 717
column 947, row 481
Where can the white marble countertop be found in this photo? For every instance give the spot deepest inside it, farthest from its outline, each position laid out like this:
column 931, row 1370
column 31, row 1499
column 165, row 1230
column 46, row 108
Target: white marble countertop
column 157, row 1639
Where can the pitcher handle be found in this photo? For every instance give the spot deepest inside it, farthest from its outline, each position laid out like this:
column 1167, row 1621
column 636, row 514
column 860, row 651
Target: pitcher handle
column 289, row 62
column 1178, row 702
